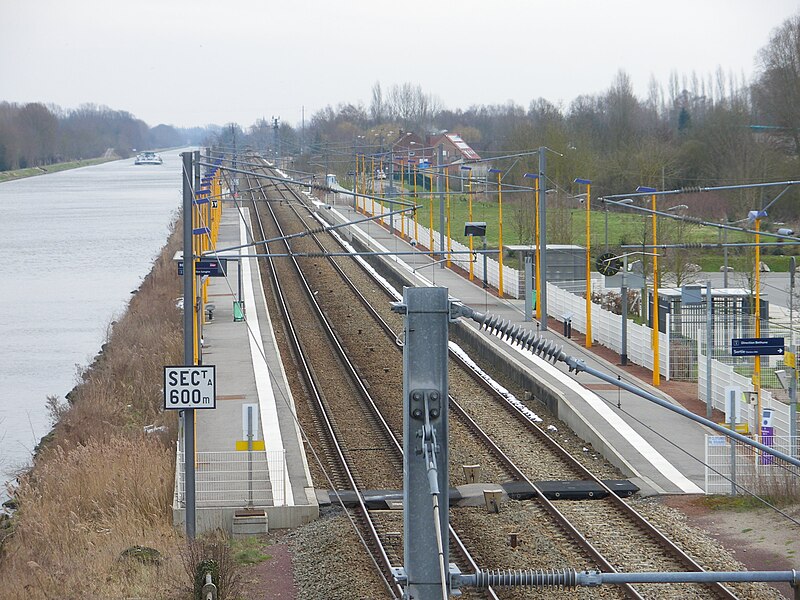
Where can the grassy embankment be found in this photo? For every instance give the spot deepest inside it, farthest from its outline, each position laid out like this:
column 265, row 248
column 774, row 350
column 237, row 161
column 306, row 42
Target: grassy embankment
column 21, row 173
column 99, row 484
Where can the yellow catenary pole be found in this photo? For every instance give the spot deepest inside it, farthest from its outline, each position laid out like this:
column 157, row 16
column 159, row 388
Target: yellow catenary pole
column 757, row 365
column 656, row 357
column 356, row 181
column 364, row 182
column 588, row 265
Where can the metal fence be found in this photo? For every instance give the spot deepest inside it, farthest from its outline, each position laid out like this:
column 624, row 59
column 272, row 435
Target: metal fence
column 235, row 479
column 732, row 318
column 737, row 371
column 607, row 329
column 745, row 365
column 753, row 471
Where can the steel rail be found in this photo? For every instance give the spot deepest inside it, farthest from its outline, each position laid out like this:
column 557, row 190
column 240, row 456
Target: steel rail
column 454, row 537
column 640, row 522
column 673, row 551
column 312, row 384
column 494, row 449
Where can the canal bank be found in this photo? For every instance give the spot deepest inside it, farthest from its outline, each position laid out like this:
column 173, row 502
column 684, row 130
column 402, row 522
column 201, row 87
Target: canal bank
column 82, row 241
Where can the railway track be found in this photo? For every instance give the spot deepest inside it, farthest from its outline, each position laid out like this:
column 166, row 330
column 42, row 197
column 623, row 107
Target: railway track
column 513, row 448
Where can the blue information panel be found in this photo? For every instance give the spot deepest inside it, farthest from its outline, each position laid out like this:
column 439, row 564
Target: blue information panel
column 756, row 346
column 212, row 268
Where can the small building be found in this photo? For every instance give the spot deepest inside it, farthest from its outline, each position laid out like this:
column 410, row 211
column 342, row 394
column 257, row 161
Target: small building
column 732, row 309
column 455, row 151
column 409, row 151
column 566, row 265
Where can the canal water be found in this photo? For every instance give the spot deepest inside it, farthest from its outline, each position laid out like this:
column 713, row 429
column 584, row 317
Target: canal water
column 75, row 245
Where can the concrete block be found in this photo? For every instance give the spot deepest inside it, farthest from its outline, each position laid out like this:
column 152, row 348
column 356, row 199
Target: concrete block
column 250, row 523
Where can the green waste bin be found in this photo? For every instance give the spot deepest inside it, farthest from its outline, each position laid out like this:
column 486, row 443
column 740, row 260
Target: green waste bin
column 238, row 311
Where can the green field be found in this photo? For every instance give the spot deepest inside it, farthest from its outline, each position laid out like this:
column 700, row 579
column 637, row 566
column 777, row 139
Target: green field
column 568, row 226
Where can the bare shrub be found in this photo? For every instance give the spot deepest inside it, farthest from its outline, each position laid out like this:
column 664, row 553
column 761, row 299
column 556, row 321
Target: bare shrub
column 99, row 484
column 212, row 553
column 56, row 408
column 80, row 508
column 770, row 478
column 612, row 301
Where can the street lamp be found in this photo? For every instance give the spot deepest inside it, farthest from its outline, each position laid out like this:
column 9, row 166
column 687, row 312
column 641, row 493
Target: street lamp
column 372, row 182
column 499, row 226
column 588, row 184
column 468, row 171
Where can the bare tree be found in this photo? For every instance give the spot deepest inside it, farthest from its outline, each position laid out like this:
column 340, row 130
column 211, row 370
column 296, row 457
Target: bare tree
column 411, row 106
column 778, row 89
column 377, row 108
column 676, row 265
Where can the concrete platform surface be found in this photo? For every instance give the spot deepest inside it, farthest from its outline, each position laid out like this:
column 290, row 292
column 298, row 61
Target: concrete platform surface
column 250, row 375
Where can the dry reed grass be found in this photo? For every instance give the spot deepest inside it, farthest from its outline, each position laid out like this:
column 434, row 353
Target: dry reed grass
column 99, row 484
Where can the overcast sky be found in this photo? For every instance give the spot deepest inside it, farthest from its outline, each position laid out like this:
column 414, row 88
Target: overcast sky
column 196, row 62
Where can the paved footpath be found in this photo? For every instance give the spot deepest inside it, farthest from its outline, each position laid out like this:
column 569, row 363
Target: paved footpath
column 656, row 448
column 250, row 374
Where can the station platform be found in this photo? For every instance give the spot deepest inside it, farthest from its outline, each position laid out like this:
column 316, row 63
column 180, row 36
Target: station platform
column 274, row 477
column 660, row 451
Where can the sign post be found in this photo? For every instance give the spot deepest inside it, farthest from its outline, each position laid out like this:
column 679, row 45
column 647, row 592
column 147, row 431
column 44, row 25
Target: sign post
column 767, row 434
column 188, row 343
column 790, row 360
column 732, row 400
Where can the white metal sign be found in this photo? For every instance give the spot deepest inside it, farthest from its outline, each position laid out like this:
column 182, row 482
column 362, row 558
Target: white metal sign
column 190, row 387
column 253, row 408
column 733, row 392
